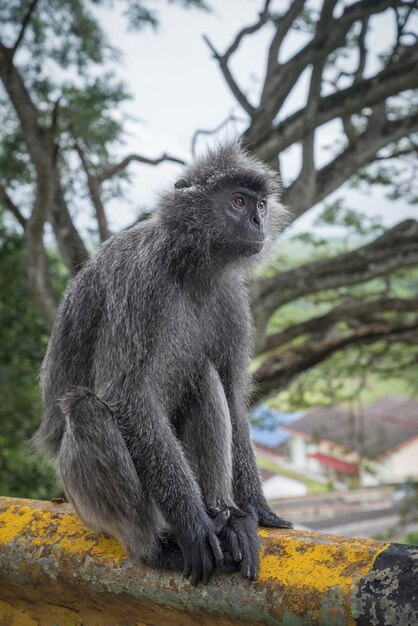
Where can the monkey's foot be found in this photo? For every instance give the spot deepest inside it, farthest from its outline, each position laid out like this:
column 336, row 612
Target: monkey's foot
column 266, row 517
column 237, row 532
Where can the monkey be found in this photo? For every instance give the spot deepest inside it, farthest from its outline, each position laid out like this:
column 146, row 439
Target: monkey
column 145, row 378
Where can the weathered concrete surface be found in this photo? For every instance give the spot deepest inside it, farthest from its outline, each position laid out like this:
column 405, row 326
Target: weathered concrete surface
column 54, row 571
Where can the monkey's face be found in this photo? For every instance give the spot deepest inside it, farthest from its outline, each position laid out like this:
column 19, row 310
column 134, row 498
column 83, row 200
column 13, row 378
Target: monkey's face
column 242, row 212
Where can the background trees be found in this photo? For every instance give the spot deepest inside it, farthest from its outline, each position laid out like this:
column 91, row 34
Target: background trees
column 375, row 101
column 327, row 311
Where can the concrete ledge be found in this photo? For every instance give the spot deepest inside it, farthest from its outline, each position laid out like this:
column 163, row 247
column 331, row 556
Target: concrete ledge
column 54, row 571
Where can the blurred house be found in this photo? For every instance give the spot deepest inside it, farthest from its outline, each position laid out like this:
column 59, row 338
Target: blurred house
column 267, row 428
column 378, row 445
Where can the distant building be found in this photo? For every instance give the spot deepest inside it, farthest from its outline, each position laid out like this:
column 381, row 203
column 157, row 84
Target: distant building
column 377, row 445
column 267, row 427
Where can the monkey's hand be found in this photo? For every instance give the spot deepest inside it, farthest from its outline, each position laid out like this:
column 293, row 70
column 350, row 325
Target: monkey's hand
column 266, row 517
column 220, row 515
column 237, row 532
column 201, row 553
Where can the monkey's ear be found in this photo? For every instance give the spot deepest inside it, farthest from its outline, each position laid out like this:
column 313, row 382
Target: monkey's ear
column 182, row 184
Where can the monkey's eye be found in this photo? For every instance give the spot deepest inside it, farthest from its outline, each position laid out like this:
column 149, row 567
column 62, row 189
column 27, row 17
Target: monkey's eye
column 262, row 205
column 239, row 202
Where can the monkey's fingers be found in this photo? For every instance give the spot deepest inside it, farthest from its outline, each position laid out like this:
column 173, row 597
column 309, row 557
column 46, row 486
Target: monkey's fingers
column 235, row 547
column 236, row 512
column 208, row 565
column 187, row 567
column 216, row 549
column 205, row 565
column 232, row 543
column 220, row 520
column 284, row 523
column 250, row 570
column 196, row 575
column 249, row 545
column 271, row 520
column 200, row 563
column 193, row 566
column 250, row 561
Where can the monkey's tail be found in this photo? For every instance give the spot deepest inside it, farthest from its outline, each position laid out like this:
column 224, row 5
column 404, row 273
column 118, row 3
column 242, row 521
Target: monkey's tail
column 100, row 478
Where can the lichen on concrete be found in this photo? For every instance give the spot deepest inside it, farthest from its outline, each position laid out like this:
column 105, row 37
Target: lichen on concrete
column 49, row 559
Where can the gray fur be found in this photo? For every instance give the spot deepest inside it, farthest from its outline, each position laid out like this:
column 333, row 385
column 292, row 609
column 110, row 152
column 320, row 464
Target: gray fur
column 145, row 377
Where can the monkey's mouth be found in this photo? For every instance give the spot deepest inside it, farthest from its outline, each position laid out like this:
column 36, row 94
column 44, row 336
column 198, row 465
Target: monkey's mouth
column 255, row 242
column 253, row 245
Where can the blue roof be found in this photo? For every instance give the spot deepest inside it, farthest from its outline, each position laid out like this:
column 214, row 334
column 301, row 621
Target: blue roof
column 266, row 426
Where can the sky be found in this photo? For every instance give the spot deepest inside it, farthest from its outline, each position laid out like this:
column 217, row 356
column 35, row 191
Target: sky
column 177, row 88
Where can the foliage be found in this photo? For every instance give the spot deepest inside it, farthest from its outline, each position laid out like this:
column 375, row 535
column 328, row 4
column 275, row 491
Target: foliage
column 412, row 539
column 409, row 509
column 405, row 531
column 23, row 339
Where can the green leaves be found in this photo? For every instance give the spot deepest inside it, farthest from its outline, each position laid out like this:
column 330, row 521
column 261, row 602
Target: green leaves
column 23, row 339
column 355, row 222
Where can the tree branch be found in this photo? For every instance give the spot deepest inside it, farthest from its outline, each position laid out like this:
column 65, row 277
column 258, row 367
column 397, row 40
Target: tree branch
column 42, row 149
column 95, row 193
column 395, row 154
column 55, row 116
column 223, row 59
column 362, row 150
column 349, row 129
column 280, row 368
column 400, row 26
column 22, row 104
column 38, row 266
column 6, row 200
column 356, row 310
column 37, row 141
column 212, row 131
column 396, row 248
column 24, row 25
column 233, row 85
column 282, row 29
column 308, row 173
column 118, row 168
column 264, row 17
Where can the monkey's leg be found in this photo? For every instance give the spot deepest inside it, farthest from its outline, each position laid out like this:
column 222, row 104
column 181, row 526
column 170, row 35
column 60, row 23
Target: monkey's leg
column 207, row 435
column 101, row 482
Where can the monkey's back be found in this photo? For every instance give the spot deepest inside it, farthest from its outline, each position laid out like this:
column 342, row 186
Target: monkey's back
column 82, row 319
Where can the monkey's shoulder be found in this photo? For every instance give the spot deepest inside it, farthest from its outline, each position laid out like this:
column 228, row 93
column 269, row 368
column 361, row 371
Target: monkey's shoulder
column 128, row 260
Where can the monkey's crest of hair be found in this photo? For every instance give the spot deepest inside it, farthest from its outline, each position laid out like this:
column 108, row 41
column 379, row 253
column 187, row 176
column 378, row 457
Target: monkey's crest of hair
column 230, row 162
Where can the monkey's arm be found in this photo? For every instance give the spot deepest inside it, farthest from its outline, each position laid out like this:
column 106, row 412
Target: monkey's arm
column 164, row 471
column 207, row 435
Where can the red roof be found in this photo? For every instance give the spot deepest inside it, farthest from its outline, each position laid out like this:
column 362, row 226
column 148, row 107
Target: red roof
column 329, row 461
column 378, row 430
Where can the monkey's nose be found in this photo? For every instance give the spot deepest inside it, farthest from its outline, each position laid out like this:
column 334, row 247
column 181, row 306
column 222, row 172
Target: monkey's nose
column 255, row 220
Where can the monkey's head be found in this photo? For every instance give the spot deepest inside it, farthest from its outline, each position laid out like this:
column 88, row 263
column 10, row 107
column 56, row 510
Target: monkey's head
column 224, row 202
